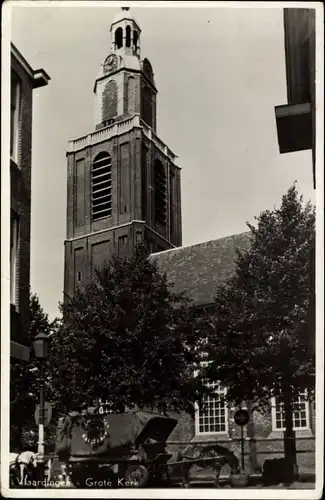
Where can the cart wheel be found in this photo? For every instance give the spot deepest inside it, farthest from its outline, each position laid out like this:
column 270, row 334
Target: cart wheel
column 136, row 476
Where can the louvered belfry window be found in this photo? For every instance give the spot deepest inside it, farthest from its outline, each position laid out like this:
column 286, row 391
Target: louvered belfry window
column 101, row 186
column 160, row 194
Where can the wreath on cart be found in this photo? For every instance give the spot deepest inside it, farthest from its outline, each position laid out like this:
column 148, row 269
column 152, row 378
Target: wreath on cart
column 95, row 429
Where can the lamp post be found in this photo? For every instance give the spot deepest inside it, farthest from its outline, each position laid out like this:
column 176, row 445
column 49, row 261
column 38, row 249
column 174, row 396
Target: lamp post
column 41, row 349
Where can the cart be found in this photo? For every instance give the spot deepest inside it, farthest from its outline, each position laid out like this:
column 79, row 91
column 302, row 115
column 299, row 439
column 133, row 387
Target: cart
column 114, row 450
column 129, row 450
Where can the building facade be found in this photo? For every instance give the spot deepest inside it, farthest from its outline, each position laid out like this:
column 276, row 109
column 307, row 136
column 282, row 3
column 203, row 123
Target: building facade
column 23, row 81
column 296, row 120
column 123, row 182
column 198, row 270
column 124, row 186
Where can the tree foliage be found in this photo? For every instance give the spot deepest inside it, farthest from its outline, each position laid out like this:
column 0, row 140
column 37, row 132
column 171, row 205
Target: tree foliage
column 24, row 382
column 259, row 338
column 128, row 339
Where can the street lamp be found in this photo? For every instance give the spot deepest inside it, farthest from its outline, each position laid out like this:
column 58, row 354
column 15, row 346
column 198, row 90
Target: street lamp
column 41, row 346
column 41, row 349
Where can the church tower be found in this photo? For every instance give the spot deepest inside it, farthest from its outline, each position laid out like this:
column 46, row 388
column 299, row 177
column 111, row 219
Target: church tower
column 123, row 183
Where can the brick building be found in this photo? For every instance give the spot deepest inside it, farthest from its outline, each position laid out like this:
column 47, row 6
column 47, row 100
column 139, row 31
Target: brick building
column 296, row 120
column 124, row 185
column 23, row 81
column 198, row 270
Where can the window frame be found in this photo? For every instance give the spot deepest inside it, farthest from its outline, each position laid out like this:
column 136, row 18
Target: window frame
column 226, row 415
column 197, row 413
column 107, row 197
column 274, row 414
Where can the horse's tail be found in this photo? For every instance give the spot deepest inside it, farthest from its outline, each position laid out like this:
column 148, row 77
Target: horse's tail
column 233, row 462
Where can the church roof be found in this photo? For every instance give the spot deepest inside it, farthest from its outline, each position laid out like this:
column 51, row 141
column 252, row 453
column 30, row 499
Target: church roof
column 198, row 269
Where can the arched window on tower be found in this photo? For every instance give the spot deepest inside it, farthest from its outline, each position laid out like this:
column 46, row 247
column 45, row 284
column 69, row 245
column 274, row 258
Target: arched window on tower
column 131, row 95
column 128, row 36
column 147, row 106
column 109, row 103
column 160, row 194
column 101, row 186
column 118, row 38
column 135, row 38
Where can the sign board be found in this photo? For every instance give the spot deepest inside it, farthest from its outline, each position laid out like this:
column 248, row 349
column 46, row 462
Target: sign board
column 47, row 414
column 104, row 409
column 241, row 417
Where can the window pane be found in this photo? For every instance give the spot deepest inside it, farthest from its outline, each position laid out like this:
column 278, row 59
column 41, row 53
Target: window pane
column 299, row 413
column 212, row 417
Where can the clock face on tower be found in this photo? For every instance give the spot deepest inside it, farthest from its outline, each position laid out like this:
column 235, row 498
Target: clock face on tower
column 110, row 63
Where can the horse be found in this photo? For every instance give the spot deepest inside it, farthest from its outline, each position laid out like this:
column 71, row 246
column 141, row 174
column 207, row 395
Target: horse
column 22, row 466
column 205, row 456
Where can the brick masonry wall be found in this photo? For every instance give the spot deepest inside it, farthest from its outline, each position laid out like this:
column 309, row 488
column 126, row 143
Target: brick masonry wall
column 263, row 443
column 20, row 176
column 148, row 107
column 128, row 168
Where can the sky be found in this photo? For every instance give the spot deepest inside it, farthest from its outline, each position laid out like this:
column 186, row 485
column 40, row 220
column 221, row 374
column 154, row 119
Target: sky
column 219, row 72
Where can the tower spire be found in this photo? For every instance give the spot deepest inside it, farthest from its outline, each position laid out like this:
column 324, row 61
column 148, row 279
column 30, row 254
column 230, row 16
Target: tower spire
column 125, row 34
column 123, row 184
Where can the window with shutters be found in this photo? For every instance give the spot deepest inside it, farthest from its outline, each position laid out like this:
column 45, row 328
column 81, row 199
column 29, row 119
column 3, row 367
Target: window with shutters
column 101, row 187
column 160, row 193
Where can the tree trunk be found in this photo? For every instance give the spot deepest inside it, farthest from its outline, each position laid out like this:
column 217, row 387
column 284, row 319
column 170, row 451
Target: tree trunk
column 252, row 439
column 290, row 452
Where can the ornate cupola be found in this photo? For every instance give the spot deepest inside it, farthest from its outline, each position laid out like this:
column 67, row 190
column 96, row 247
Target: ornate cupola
column 125, row 34
column 125, row 85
